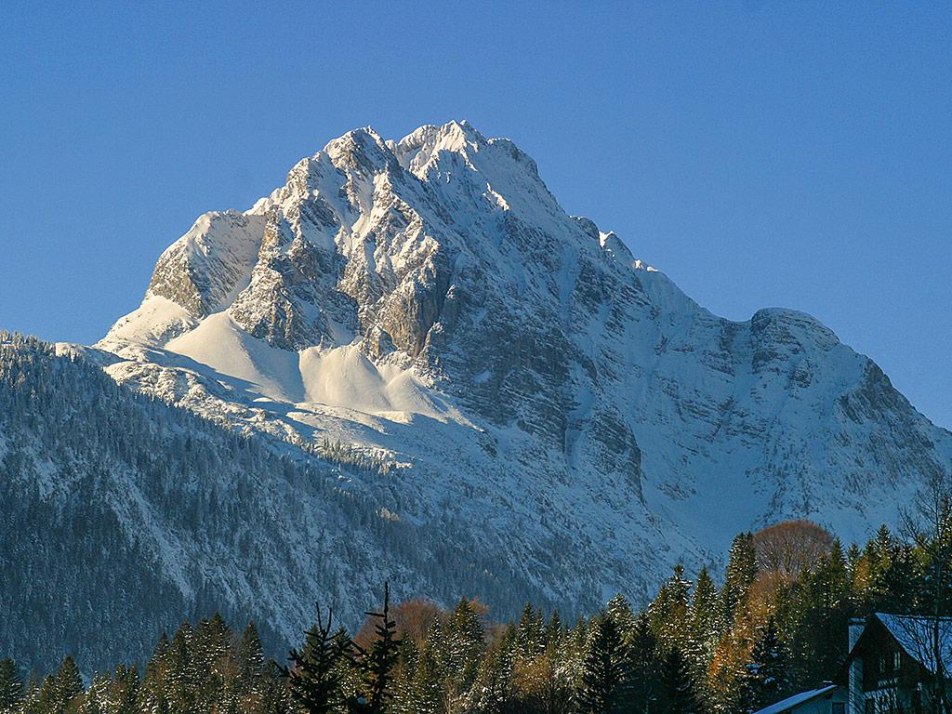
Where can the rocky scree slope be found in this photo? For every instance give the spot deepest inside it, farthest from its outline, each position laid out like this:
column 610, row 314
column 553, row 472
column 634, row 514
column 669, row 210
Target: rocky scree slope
column 426, row 305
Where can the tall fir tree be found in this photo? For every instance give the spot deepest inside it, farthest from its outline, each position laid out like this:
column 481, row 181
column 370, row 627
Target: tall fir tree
column 42, row 697
column 11, row 686
column 276, row 694
column 180, row 677
column 124, row 690
column 530, row 631
column 493, row 691
column 645, row 667
column 426, row 684
column 766, row 673
column 212, row 666
column 619, row 610
column 545, row 682
column 69, row 683
column 705, row 623
column 153, row 694
column 740, row 574
column 377, row 662
column 96, row 698
column 678, row 688
column 668, row 613
column 250, row 665
column 606, row 675
column 465, row 642
column 814, row 619
column 313, row 677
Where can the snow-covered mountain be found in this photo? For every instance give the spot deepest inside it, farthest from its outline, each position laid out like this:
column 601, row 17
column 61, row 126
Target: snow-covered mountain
column 122, row 516
column 426, row 306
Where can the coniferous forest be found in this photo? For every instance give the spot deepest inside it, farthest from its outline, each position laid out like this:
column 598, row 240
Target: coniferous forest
column 777, row 624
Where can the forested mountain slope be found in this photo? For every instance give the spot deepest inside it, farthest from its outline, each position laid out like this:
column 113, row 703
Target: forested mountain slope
column 122, row 516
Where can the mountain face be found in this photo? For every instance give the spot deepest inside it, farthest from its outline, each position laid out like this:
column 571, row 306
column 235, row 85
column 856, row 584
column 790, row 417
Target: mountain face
column 512, row 376
column 122, row 516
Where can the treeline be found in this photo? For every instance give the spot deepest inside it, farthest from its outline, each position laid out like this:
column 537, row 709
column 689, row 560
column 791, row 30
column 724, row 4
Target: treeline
column 776, row 625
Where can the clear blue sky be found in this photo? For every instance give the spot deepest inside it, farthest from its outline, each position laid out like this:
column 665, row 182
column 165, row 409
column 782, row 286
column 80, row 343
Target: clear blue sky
column 760, row 153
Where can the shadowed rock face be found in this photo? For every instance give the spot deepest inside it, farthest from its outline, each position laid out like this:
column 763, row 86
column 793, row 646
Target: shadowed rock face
column 518, row 363
column 203, row 271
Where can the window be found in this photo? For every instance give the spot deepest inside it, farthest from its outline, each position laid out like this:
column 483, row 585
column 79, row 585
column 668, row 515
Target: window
column 838, row 708
column 883, row 663
column 897, row 659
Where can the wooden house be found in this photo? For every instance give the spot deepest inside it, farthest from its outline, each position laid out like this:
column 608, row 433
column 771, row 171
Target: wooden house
column 894, row 661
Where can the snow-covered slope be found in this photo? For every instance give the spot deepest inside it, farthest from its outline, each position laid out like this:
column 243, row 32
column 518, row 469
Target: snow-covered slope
column 122, row 516
column 427, row 304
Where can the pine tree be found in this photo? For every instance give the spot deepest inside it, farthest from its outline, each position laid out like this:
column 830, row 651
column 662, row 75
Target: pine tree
column 97, row 696
column 766, row 673
column 606, row 675
column 213, row 668
column 276, row 695
column 678, row 690
column 403, row 674
column 42, row 697
column 645, row 667
column 249, row 663
column 554, row 631
column 426, row 684
column 312, row 678
column 704, row 623
column 871, row 574
column 69, row 683
column 124, row 692
column 668, row 613
column 740, row 574
column 545, row 682
column 619, row 610
column 179, row 679
column 814, row 620
column 153, row 694
column 493, row 691
column 377, row 662
column 463, row 647
column 530, row 632
column 11, row 686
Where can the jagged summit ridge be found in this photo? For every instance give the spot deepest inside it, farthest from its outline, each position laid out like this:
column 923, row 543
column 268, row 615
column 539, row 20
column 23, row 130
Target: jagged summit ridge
column 357, row 197
column 429, row 302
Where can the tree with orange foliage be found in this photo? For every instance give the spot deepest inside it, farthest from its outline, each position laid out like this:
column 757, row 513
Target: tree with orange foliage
column 791, row 548
column 413, row 620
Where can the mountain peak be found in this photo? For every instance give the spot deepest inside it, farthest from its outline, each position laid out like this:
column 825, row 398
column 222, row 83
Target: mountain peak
column 453, row 136
column 362, row 149
column 428, row 302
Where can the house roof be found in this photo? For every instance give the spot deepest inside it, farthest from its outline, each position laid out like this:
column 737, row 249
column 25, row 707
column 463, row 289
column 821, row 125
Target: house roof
column 796, row 700
column 914, row 633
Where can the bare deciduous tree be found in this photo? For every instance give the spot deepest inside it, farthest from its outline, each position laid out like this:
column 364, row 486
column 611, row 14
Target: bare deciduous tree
column 791, row 548
column 928, row 524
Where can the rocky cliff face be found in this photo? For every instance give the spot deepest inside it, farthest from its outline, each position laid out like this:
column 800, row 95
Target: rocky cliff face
column 428, row 305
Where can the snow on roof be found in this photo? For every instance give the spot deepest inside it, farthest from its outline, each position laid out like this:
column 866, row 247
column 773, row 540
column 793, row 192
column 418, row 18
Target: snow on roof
column 796, row 700
column 914, row 633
